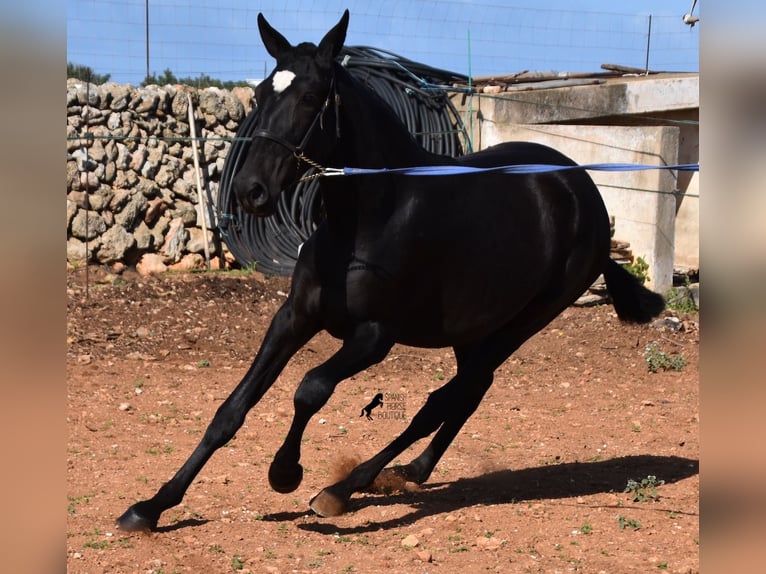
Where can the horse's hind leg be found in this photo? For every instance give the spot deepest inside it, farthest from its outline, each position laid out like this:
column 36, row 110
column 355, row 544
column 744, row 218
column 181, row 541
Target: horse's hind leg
column 448, row 407
column 368, row 345
column 420, row 468
column 285, row 336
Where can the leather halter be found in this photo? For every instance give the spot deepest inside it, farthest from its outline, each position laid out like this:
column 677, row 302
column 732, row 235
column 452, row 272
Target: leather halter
column 318, row 119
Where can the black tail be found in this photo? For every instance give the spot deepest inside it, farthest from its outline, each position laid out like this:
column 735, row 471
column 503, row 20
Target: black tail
column 633, row 302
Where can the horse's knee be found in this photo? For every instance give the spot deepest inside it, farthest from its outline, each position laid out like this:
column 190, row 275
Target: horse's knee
column 313, row 392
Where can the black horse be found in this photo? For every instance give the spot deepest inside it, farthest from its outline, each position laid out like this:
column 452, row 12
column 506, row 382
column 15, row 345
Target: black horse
column 478, row 262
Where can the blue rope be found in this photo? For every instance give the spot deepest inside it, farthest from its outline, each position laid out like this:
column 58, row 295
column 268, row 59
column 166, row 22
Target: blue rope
column 510, row 169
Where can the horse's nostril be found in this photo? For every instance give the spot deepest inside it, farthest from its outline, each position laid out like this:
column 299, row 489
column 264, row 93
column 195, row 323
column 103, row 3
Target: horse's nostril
column 259, row 194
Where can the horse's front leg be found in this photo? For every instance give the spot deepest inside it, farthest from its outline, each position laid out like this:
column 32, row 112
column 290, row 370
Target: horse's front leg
column 366, row 346
column 287, row 333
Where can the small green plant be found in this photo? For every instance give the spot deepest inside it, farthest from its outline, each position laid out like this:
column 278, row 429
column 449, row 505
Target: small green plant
column 680, row 299
column 639, row 269
column 586, row 528
column 237, row 562
column 624, row 522
column 645, row 490
column 204, row 363
column 658, row 360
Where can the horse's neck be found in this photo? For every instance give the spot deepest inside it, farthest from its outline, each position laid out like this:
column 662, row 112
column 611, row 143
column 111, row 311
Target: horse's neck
column 372, row 135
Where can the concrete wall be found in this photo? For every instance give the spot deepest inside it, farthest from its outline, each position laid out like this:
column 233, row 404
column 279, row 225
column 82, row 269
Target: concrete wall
column 625, row 120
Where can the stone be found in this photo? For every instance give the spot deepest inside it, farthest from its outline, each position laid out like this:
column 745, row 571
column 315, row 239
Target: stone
column 157, row 207
column 151, row 264
column 196, row 242
column 120, row 96
column 114, row 243
column 87, row 224
column 425, row 556
column 410, row 541
column 183, row 189
column 143, row 236
column 187, row 212
column 189, row 262
column 175, row 240
column 159, row 229
column 71, row 209
column 137, row 158
column 76, row 251
column 166, row 175
column 120, row 197
column 133, row 212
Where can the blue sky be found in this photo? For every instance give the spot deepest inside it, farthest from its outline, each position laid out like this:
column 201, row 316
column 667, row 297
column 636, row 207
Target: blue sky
column 480, row 37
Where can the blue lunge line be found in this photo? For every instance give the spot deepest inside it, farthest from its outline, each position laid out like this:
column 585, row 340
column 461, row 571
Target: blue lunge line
column 511, row 169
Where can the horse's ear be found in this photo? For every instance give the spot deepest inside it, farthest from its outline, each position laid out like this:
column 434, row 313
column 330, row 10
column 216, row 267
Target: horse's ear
column 330, row 46
column 275, row 43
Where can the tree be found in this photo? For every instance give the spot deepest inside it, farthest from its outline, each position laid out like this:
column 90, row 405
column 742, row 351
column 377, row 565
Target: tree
column 201, row 81
column 85, row 73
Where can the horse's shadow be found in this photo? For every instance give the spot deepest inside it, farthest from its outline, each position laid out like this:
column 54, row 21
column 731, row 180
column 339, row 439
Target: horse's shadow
column 566, row 480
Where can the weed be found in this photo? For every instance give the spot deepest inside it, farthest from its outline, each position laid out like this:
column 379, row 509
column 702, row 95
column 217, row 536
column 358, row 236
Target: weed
column 639, row 269
column 657, row 359
column 217, row 548
column 204, row 363
column 75, row 500
column 645, row 490
column 237, row 563
column 662, row 565
column 586, row 528
column 680, row 299
column 624, row 522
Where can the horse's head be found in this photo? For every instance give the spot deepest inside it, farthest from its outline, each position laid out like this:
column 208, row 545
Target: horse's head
column 296, row 117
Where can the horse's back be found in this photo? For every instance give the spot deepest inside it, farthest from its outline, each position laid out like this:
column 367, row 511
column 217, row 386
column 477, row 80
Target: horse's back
column 515, row 153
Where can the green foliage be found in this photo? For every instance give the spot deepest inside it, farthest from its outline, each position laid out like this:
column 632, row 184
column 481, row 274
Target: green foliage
column 624, row 522
column 201, row 81
column 645, row 490
column 639, row 268
column 85, row 73
column 680, row 299
column 658, row 360
column 237, row 562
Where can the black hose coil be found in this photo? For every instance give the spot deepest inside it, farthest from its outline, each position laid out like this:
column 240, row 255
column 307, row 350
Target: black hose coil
column 411, row 89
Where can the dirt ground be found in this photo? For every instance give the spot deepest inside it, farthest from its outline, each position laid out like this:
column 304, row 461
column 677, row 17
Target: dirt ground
column 534, row 482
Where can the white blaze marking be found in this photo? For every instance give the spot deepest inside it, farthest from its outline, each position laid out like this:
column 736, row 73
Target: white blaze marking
column 282, row 79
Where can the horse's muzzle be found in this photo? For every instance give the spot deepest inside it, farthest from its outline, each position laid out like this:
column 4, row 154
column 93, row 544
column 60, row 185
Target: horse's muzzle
column 253, row 197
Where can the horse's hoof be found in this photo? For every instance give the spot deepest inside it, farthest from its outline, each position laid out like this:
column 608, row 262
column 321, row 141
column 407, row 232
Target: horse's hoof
column 133, row 520
column 326, row 504
column 285, row 479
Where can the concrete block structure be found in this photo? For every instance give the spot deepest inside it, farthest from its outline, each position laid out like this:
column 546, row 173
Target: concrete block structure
column 647, row 119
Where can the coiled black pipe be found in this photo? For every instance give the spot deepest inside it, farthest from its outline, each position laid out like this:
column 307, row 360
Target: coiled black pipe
column 410, row 88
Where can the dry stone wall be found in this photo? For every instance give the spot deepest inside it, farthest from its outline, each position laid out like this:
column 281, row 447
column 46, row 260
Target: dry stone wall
column 132, row 196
